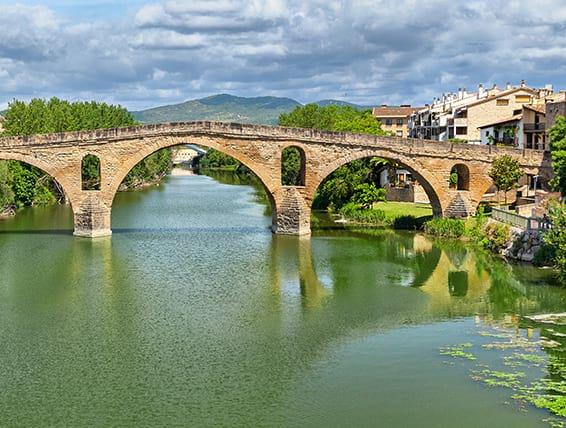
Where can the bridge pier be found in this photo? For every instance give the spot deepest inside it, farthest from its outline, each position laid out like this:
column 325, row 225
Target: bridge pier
column 291, row 213
column 92, row 219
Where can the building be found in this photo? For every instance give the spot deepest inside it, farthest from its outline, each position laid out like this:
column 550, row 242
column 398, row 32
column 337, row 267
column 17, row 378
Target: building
column 528, row 128
column 462, row 115
column 394, row 120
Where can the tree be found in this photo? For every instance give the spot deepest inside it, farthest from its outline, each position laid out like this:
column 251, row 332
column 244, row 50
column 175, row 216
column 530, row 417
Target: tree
column 30, row 185
column 555, row 238
column 366, row 194
column 505, row 173
column 557, row 136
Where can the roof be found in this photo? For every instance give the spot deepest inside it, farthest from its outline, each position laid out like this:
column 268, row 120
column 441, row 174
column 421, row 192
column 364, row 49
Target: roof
column 502, row 121
column 539, row 108
column 394, row 111
column 502, row 94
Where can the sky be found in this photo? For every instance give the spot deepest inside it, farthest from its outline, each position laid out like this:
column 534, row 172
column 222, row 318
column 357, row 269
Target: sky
column 143, row 54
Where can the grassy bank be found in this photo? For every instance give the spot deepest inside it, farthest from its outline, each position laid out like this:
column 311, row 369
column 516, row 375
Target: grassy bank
column 399, row 215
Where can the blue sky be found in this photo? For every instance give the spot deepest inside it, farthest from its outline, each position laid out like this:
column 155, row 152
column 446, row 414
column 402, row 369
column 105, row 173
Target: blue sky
column 143, row 54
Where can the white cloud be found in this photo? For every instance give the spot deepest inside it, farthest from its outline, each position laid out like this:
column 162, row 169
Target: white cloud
column 371, row 51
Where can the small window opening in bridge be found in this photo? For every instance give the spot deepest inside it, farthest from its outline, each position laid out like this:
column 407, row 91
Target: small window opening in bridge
column 293, row 166
column 90, row 173
column 459, row 177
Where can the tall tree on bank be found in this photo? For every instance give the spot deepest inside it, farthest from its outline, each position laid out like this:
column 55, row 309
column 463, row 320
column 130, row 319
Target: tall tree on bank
column 31, row 186
column 340, row 186
column 505, row 173
column 557, row 136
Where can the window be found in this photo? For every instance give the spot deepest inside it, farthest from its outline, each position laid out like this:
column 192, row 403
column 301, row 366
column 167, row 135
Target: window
column 516, row 112
column 522, row 99
column 389, row 122
column 461, row 130
column 399, row 122
column 502, row 102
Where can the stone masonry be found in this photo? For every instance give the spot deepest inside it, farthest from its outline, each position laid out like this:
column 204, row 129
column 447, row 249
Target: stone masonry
column 259, row 148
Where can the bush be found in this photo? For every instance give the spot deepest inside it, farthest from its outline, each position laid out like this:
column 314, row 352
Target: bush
column 354, row 212
column 497, row 236
column 555, row 238
column 446, row 227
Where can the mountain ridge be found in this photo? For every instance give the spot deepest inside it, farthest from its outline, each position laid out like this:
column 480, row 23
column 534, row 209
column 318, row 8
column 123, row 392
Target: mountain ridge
column 264, row 110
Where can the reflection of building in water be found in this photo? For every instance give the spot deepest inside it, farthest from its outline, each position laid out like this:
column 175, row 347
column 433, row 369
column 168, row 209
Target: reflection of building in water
column 456, row 283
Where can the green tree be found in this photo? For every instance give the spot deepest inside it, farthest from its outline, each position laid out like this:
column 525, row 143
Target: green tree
column 505, row 173
column 366, row 194
column 28, row 184
column 6, row 192
column 555, row 238
column 557, row 136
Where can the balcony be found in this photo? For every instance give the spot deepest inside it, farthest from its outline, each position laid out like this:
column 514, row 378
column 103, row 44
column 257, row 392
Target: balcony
column 534, row 127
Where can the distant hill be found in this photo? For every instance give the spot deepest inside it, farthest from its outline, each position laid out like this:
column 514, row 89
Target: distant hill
column 228, row 108
column 324, row 103
column 223, row 108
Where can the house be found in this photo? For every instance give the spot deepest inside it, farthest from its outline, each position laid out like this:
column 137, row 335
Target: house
column 393, row 119
column 461, row 115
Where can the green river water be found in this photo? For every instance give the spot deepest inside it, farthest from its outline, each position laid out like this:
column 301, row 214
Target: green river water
column 194, row 314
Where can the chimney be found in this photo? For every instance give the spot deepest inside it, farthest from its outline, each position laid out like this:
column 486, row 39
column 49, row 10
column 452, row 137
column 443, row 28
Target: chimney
column 481, row 91
column 508, row 85
column 523, row 83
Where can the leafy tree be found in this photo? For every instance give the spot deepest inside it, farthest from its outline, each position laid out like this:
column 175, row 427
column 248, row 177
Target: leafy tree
column 6, row 192
column 505, row 173
column 30, row 185
column 555, row 238
column 366, row 194
column 557, row 136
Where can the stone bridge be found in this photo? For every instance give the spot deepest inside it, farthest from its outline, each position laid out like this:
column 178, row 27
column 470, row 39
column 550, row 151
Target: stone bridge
column 259, row 148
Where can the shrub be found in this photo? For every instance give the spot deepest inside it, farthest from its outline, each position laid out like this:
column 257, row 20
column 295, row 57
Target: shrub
column 497, row 236
column 555, row 238
column 446, row 227
column 354, row 212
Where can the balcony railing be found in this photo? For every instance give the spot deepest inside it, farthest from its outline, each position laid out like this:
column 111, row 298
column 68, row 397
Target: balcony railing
column 534, row 127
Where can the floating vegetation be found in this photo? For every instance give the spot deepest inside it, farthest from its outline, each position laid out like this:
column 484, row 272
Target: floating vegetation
column 536, row 364
column 497, row 378
column 518, row 359
column 457, row 351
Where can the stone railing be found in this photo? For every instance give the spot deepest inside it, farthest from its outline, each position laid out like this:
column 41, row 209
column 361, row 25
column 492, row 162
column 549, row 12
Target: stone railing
column 522, row 222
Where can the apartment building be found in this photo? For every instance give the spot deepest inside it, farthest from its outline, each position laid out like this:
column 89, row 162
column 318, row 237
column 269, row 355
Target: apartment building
column 394, row 119
column 462, row 115
column 527, row 128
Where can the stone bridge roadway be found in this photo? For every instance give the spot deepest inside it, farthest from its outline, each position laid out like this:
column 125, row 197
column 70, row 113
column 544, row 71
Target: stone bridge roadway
column 259, row 148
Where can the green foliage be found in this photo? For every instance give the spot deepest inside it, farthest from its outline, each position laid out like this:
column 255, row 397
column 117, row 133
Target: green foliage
column 291, row 167
column 332, row 118
column 453, row 180
column 408, row 222
column 7, row 197
column 496, row 236
column 30, row 185
column 505, row 173
column 150, row 170
column 90, row 173
column 557, row 136
column 356, row 213
column 366, row 194
column 217, row 160
column 445, row 227
column 555, row 238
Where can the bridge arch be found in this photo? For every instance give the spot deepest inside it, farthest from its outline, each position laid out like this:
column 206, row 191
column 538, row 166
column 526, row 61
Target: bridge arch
column 68, row 186
column 427, row 180
column 295, row 178
column 112, row 184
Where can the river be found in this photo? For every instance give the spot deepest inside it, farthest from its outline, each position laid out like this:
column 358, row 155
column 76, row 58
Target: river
column 193, row 313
